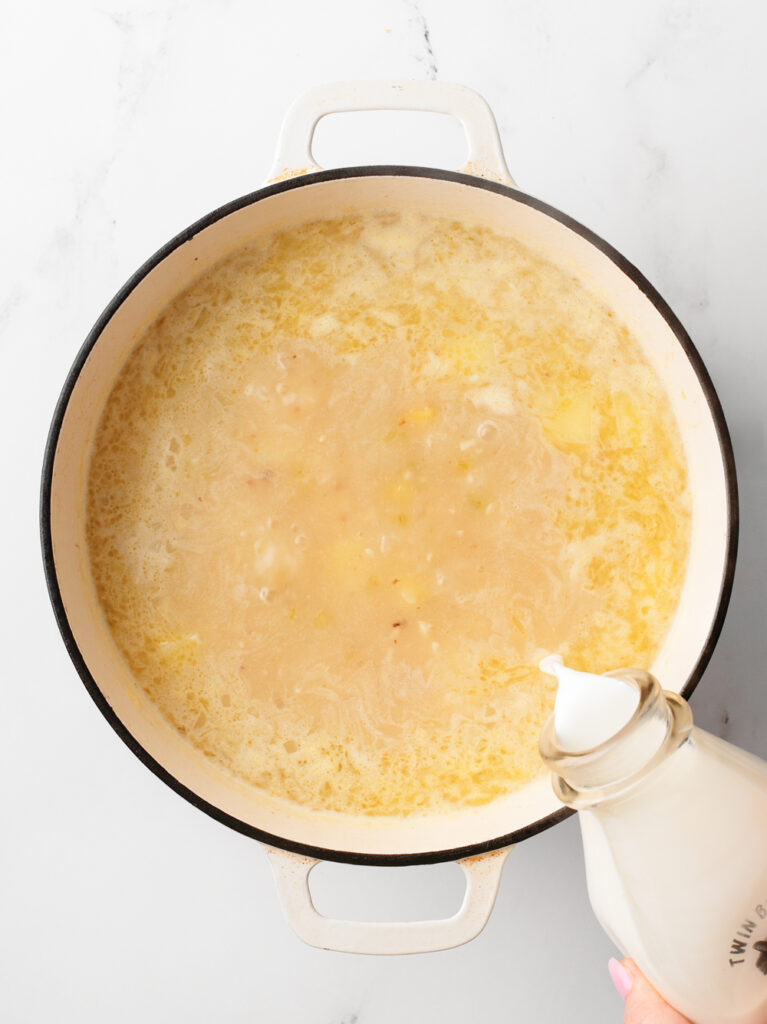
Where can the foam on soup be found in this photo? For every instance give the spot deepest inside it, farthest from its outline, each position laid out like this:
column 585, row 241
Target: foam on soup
column 355, row 481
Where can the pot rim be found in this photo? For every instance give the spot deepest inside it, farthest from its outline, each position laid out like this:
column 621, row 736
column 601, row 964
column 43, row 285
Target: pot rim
column 287, row 185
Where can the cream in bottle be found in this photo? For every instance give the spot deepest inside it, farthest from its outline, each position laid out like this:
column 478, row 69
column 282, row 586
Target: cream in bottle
column 674, row 827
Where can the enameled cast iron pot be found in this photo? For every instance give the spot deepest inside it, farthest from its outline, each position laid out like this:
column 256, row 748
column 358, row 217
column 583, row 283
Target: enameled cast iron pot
column 296, row 838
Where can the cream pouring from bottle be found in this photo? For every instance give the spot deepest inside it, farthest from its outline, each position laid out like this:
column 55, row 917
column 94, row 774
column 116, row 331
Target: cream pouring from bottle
column 674, row 827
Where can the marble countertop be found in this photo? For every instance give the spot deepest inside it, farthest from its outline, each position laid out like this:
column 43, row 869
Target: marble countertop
column 124, row 122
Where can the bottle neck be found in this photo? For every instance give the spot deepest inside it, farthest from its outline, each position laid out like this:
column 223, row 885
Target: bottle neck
column 662, row 721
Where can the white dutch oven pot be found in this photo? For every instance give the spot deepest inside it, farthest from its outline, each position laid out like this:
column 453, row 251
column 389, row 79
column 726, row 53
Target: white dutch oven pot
column 296, row 838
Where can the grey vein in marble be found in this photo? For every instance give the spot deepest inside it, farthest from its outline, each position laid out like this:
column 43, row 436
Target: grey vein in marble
column 427, row 57
column 641, row 71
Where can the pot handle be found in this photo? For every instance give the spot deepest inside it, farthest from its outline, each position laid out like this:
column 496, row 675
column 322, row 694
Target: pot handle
column 483, row 876
column 294, row 148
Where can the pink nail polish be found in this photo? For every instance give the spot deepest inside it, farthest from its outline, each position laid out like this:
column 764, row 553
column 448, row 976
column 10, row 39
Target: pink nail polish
column 620, row 977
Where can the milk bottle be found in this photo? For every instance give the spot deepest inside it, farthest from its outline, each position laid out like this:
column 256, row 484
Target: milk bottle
column 674, row 827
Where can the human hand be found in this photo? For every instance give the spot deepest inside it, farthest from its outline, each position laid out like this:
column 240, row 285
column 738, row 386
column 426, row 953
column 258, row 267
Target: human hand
column 643, row 1004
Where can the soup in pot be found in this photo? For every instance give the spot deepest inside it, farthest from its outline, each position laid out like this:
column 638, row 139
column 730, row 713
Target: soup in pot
column 354, row 482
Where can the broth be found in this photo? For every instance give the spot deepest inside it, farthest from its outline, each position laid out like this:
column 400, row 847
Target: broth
column 355, row 481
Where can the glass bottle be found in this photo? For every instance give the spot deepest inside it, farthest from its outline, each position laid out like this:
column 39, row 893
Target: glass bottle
column 674, row 827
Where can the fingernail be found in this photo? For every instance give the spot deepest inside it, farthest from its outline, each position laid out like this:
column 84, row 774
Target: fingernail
column 620, row 976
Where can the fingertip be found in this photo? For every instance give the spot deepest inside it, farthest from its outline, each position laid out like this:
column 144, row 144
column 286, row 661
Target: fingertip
column 621, row 976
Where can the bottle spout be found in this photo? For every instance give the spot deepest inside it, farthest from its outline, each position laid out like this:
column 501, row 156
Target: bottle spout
column 589, row 708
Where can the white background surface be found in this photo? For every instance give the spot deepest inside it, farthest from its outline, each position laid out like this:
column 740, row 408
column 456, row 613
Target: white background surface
column 121, row 124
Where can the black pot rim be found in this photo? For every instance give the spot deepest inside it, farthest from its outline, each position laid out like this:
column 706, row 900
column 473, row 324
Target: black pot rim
column 288, row 185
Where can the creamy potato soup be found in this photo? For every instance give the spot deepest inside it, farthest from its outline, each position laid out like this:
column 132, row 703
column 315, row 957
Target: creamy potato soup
column 352, row 485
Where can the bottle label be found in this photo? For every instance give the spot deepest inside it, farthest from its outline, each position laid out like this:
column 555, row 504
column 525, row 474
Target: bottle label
column 748, row 946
